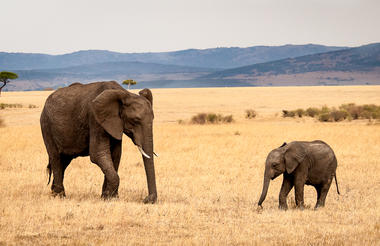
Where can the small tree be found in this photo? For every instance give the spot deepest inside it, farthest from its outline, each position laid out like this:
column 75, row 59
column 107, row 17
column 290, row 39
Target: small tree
column 5, row 77
column 129, row 82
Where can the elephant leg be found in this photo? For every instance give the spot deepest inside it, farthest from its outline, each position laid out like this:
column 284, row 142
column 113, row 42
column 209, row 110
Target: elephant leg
column 318, row 189
column 59, row 164
column 287, row 185
column 111, row 177
column 115, row 155
column 299, row 190
column 324, row 190
column 65, row 162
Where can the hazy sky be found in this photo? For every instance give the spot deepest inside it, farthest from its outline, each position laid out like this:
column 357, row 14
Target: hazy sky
column 62, row 26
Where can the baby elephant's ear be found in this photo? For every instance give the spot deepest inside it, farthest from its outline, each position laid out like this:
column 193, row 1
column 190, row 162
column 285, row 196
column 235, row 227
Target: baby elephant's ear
column 147, row 94
column 294, row 155
column 106, row 108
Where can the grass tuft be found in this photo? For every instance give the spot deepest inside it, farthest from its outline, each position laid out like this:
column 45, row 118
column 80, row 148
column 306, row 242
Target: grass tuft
column 250, row 114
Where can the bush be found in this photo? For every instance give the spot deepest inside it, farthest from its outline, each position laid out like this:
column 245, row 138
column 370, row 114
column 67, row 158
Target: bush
column 250, row 114
column 1, row 122
column 312, row 112
column 349, row 111
column 288, row 113
column 32, row 106
column 370, row 111
column 10, row 105
column 228, row 119
column 366, row 111
column 199, row 118
column 299, row 112
column 211, row 118
column 354, row 110
column 324, row 110
column 338, row 115
column 325, row 117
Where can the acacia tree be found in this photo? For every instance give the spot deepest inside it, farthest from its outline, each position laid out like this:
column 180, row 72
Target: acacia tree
column 129, row 82
column 5, row 77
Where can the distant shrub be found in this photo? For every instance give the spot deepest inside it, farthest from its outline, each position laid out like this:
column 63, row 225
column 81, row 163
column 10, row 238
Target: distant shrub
column 370, row 111
column 354, row 110
column 48, row 89
column 199, row 118
column 1, row 122
column 228, row 119
column 349, row 111
column 288, row 113
column 366, row 111
column 312, row 112
column 324, row 110
column 211, row 118
column 324, row 117
column 15, row 105
column 300, row 112
column 250, row 114
column 10, row 105
column 338, row 115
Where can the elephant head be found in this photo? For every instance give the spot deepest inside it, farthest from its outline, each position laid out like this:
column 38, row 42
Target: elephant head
column 119, row 111
column 286, row 158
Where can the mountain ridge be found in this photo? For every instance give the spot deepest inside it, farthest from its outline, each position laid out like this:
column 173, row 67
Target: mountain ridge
column 222, row 57
column 358, row 65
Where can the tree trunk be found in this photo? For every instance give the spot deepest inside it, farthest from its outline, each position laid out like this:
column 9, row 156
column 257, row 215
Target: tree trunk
column 2, row 87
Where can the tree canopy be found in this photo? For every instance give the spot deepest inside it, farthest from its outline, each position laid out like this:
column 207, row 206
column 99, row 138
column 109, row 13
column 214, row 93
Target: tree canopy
column 5, row 77
column 129, row 82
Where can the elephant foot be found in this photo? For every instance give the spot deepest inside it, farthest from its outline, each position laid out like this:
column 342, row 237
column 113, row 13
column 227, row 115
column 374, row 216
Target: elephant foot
column 283, row 207
column 301, row 207
column 58, row 190
column 318, row 206
column 109, row 196
column 152, row 198
column 60, row 194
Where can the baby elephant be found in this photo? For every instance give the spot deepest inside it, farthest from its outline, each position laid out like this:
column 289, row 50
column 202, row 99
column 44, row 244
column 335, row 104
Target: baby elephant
column 312, row 163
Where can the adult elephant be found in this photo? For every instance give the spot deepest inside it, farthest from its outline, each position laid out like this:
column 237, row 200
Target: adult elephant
column 311, row 163
column 82, row 120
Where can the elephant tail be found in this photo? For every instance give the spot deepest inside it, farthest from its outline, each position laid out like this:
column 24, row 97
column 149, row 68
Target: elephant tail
column 336, row 183
column 48, row 170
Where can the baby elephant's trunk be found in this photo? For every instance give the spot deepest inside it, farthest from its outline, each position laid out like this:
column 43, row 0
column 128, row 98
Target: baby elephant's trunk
column 265, row 190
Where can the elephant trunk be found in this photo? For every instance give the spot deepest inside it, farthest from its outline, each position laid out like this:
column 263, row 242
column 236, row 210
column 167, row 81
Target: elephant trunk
column 265, row 189
column 149, row 166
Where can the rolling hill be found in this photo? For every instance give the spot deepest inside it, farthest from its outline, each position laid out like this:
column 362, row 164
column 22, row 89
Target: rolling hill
column 359, row 65
column 39, row 79
column 214, row 58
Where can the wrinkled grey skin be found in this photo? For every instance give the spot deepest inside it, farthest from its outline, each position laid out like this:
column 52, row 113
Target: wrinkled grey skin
column 312, row 163
column 89, row 120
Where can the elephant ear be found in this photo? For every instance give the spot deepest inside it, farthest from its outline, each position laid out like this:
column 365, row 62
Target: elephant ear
column 147, row 94
column 106, row 108
column 294, row 155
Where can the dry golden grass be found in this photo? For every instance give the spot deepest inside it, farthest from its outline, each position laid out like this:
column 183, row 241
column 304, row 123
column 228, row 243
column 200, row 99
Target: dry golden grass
column 209, row 177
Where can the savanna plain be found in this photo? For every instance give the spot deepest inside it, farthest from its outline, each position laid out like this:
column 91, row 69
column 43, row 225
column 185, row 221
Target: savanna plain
column 209, row 177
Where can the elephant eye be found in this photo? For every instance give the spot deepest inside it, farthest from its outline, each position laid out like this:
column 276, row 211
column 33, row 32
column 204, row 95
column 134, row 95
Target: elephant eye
column 275, row 164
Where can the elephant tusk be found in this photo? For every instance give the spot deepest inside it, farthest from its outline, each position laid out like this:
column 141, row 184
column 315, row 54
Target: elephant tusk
column 142, row 152
column 155, row 154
